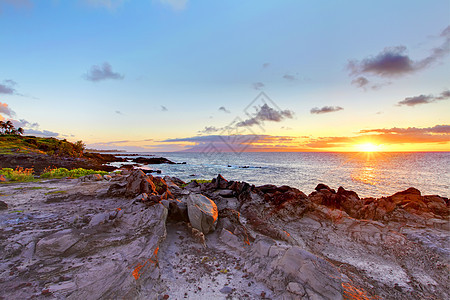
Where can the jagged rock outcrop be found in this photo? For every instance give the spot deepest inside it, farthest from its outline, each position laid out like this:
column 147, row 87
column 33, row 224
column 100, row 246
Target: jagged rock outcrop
column 245, row 241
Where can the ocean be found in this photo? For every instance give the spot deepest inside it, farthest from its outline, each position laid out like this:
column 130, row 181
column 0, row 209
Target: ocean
column 372, row 174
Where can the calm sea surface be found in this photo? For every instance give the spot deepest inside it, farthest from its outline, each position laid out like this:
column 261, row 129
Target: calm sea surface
column 368, row 174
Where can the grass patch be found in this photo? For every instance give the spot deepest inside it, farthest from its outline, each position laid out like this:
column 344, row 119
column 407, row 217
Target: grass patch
column 198, row 181
column 56, row 192
column 13, row 144
column 75, row 173
column 19, row 174
column 29, row 188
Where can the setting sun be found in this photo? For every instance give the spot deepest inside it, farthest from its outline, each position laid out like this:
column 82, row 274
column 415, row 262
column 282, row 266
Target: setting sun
column 368, row 147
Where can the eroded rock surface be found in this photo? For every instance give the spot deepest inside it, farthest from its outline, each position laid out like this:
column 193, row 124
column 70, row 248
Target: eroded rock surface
column 130, row 236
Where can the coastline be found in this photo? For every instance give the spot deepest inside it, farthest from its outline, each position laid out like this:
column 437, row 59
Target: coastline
column 61, row 236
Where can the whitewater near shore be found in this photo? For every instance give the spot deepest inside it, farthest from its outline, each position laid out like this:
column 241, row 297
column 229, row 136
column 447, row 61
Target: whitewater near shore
column 141, row 237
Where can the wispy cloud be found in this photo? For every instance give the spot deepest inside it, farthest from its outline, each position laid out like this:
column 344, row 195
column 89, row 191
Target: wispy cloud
column 258, row 85
column 25, row 124
column 42, row 133
column 267, row 113
column 7, row 87
column 394, row 61
column 102, row 72
column 361, row 82
column 289, row 77
column 30, row 128
column 441, row 129
column 6, row 110
column 439, row 134
column 325, row 109
column 424, row 99
column 223, row 109
column 393, row 136
column 209, row 130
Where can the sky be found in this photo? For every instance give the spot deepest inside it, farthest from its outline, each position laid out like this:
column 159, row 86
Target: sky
column 186, row 75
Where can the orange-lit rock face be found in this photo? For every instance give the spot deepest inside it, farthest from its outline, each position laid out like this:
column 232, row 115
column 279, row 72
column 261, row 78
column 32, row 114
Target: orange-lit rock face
column 140, row 268
column 202, row 213
column 353, row 293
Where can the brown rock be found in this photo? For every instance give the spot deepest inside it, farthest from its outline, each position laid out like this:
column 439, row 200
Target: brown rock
column 160, row 185
column 138, row 183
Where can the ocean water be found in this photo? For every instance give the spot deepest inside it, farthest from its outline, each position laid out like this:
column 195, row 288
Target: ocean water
column 369, row 174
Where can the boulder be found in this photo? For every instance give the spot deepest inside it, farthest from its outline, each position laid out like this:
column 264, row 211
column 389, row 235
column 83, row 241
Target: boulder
column 3, row 205
column 138, row 183
column 202, row 212
column 322, row 186
column 91, row 177
column 219, row 182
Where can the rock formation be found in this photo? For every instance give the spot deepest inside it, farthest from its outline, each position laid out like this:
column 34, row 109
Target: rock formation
column 142, row 237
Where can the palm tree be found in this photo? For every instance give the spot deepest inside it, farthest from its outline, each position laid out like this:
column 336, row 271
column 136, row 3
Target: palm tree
column 9, row 127
column 3, row 127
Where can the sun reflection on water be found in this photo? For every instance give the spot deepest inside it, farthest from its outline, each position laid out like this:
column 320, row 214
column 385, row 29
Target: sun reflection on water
column 367, row 172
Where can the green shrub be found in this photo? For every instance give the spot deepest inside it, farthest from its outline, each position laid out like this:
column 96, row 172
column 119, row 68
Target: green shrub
column 198, row 181
column 75, row 173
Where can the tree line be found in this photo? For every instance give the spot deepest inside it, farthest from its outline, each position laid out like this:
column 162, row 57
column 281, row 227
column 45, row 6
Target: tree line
column 7, row 128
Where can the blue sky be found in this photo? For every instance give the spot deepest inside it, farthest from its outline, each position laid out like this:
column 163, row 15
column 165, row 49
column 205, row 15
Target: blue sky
column 144, row 72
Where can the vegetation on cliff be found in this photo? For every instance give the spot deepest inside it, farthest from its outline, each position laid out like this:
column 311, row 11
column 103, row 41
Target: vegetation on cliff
column 10, row 144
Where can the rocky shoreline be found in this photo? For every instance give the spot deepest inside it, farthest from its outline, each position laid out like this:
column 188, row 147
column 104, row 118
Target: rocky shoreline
column 96, row 161
column 136, row 236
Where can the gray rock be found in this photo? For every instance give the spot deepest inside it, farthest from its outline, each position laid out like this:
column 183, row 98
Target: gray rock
column 99, row 219
column 226, row 290
column 296, row 288
column 226, row 193
column 3, row 205
column 304, row 272
column 57, row 243
column 231, row 239
column 202, row 213
column 91, row 177
column 313, row 272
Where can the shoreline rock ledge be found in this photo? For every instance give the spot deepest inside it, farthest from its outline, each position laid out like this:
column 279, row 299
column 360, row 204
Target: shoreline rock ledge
column 136, row 236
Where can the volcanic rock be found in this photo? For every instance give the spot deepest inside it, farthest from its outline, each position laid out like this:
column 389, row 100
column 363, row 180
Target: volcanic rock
column 202, row 212
column 3, row 205
column 152, row 160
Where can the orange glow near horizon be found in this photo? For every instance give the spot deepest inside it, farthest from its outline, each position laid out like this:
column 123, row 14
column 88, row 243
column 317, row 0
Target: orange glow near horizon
column 368, row 147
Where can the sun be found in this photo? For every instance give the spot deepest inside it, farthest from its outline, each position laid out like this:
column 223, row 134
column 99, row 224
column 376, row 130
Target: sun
column 368, row 147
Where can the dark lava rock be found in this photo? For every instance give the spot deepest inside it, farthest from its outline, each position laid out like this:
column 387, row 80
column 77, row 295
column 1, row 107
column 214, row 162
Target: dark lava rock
column 3, row 205
column 153, row 160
